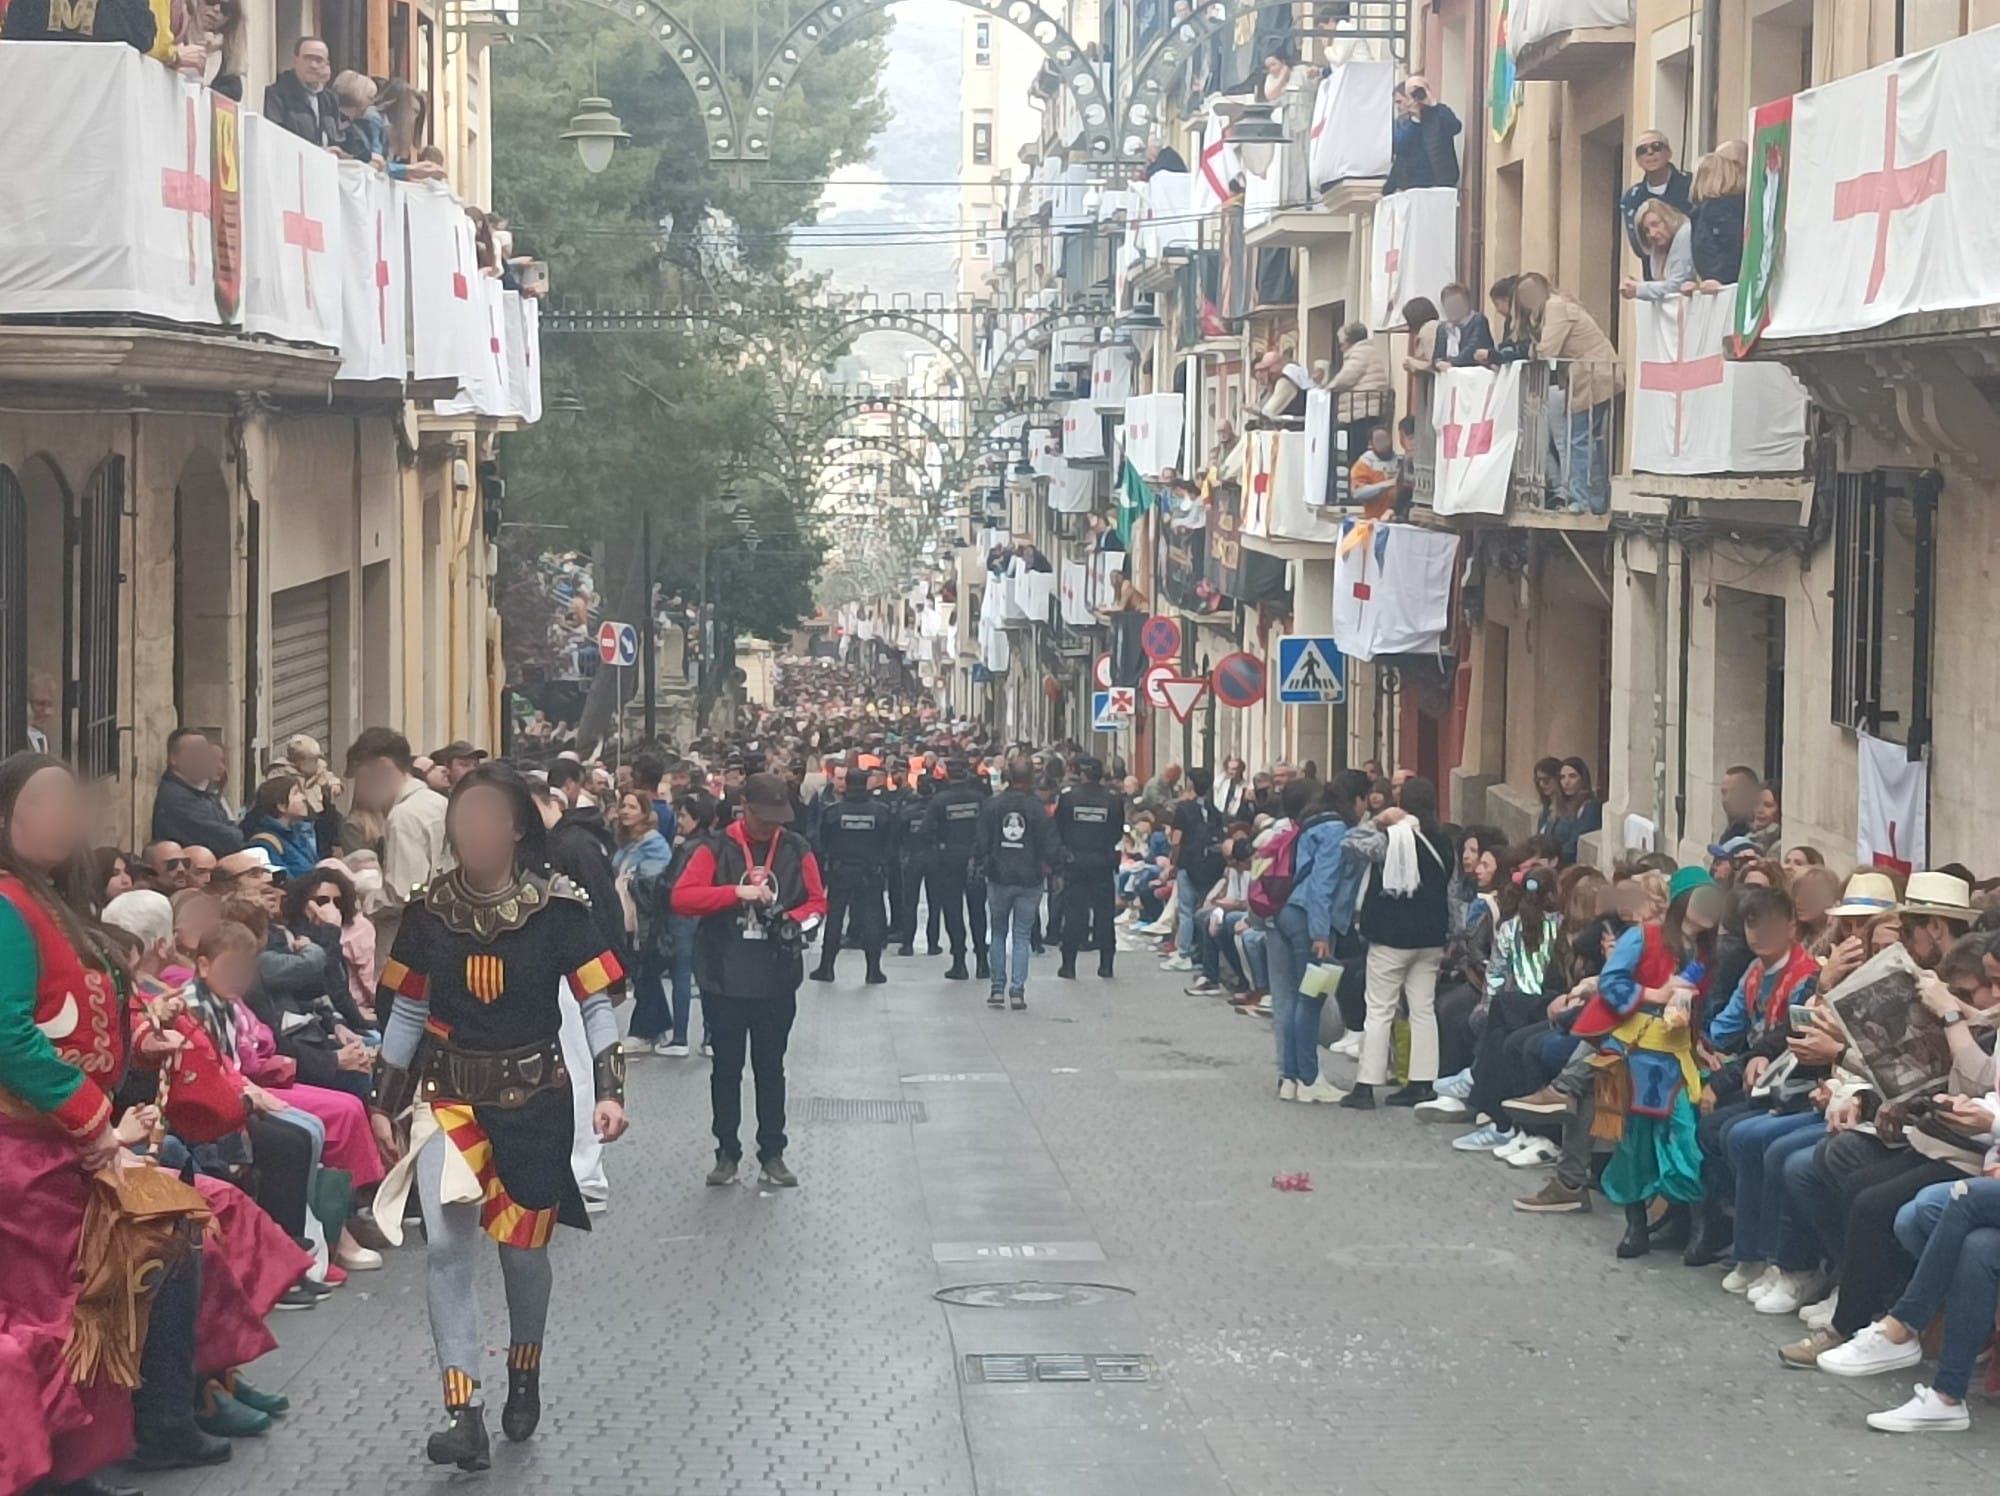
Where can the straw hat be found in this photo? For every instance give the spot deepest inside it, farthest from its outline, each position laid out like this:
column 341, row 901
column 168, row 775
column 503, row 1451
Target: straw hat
column 1939, row 894
column 1868, row 893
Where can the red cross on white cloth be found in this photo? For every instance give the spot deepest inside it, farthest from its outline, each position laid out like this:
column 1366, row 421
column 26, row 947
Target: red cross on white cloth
column 460, row 287
column 1683, row 375
column 185, row 190
column 1471, row 441
column 381, row 280
column 1890, row 190
column 308, row 233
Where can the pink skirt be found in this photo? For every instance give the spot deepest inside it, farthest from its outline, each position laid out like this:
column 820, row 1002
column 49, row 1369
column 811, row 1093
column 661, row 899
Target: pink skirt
column 247, row 1265
column 350, row 1145
column 50, row 1428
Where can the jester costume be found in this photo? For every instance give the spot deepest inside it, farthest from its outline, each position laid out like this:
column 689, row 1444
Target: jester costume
column 472, row 1063
column 1648, row 1084
column 81, row 1256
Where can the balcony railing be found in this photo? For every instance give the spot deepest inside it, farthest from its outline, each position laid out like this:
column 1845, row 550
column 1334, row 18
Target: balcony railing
column 168, row 205
column 1561, row 419
column 1334, row 155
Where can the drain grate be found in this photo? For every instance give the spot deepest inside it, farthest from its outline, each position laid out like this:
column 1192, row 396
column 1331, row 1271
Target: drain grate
column 1059, row 1367
column 852, row 1109
column 1029, row 1295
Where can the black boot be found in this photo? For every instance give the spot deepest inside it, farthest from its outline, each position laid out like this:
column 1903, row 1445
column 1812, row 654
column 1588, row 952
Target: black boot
column 906, row 949
column 980, row 968
column 935, row 950
column 464, row 1442
column 1360, row 1099
column 876, row 976
column 163, row 1405
column 1675, row 1227
column 1416, row 1093
column 1104, row 965
column 1638, row 1234
column 1068, row 968
column 524, row 1395
column 1713, row 1235
column 957, row 973
column 823, row 972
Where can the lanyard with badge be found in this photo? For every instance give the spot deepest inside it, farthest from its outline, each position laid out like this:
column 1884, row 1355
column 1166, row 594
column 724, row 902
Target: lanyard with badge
column 752, row 922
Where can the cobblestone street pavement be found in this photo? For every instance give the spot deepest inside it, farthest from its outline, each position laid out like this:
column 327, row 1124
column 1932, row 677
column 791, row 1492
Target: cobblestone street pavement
column 1397, row 1329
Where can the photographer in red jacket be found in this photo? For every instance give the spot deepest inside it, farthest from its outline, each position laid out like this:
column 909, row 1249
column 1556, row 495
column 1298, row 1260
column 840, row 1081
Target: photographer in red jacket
column 758, row 894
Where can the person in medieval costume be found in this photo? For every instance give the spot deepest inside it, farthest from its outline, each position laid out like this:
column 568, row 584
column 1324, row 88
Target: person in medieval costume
column 472, row 1093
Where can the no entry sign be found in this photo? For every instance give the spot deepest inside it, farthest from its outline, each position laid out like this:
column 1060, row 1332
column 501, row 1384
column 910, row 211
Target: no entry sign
column 618, row 643
column 1238, row 680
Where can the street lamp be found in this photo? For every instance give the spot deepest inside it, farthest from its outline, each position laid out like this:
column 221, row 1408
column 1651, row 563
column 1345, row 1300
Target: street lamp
column 1256, row 136
column 597, row 133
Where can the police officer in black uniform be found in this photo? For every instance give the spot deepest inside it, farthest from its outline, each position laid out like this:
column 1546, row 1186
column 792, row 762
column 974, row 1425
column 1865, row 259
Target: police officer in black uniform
column 953, row 828
column 915, row 861
column 1090, row 819
column 854, row 845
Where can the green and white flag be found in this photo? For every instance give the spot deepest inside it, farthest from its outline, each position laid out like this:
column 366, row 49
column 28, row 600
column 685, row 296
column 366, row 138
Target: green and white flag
column 1764, row 220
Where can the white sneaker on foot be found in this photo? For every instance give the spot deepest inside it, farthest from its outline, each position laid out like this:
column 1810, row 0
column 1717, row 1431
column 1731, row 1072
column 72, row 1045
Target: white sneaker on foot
column 1323, row 1091
column 1820, row 1316
column 1288, row 1090
column 1789, row 1292
column 1348, row 1046
column 1755, row 1293
column 1925, row 1413
column 670, row 1050
column 1742, row 1276
column 1177, row 963
column 1532, row 1152
column 1870, row 1354
column 1458, row 1087
column 1442, row 1108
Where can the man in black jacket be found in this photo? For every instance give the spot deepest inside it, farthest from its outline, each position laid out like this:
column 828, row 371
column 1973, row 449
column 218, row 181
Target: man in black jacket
column 186, row 807
column 953, row 828
column 300, row 100
column 1089, row 821
column 1016, row 846
column 916, row 856
column 854, row 843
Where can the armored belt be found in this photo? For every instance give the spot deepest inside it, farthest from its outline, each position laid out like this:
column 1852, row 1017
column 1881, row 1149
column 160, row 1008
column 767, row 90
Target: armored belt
column 489, row 1077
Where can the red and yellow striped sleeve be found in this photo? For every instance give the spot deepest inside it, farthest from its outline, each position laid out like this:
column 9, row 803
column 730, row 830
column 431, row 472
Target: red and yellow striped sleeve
column 602, row 971
column 400, row 981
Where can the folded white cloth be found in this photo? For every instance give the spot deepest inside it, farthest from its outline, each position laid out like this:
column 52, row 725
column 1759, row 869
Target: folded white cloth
column 1400, row 875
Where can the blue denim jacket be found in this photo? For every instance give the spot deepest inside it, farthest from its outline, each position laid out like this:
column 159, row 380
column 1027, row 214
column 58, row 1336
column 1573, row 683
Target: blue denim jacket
column 1324, row 884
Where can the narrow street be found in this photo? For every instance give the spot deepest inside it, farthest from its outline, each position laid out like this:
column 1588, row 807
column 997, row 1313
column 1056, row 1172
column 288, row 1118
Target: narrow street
column 1397, row 1329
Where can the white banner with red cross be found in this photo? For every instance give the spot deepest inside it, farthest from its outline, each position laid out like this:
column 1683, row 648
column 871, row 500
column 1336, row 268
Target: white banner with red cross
column 1044, row 451
column 524, row 355
column 483, row 387
column 447, row 310
column 1415, row 251
column 1153, row 432
column 1699, row 412
column 1216, row 165
column 107, row 202
column 1894, row 174
column 1083, row 432
column 1274, row 490
column 1354, row 121
column 1166, row 218
column 1392, row 588
column 1476, row 415
column 1893, row 828
column 1112, row 367
column 374, row 271
column 292, row 237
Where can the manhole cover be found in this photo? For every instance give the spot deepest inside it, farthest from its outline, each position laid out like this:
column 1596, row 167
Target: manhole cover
column 1059, row 1367
column 851, row 1109
column 1029, row 1295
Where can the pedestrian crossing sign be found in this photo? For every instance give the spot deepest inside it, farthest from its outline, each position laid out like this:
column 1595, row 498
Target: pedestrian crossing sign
column 1311, row 671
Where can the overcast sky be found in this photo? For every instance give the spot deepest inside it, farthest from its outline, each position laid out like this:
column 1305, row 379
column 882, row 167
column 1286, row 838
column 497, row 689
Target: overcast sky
column 919, row 145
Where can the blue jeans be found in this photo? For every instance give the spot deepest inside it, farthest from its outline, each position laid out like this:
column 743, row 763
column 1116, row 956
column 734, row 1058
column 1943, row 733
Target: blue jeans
column 686, row 931
column 1223, row 943
column 1918, row 1218
column 1295, row 1017
column 1587, row 482
column 1011, row 911
column 1256, row 957
column 652, row 1015
column 1759, row 1176
column 1185, row 937
column 1960, row 1273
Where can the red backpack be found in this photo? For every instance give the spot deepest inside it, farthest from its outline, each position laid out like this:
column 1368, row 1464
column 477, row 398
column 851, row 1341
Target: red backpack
column 1271, row 873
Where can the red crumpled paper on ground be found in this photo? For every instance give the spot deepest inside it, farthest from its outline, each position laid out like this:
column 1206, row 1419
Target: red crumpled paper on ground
column 1298, row 1184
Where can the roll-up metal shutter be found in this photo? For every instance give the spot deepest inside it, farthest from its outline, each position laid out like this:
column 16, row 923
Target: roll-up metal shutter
column 301, row 664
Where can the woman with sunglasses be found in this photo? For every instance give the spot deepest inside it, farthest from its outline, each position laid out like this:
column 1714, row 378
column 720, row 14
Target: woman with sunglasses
column 471, row 1074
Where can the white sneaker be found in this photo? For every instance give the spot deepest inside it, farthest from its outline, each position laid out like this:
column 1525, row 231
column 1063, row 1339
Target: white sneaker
column 595, row 1205
column 1154, row 929
column 1533, row 1152
column 670, row 1049
column 1442, row 1109
column 1742, row 1276
column 1924, row 1413
column 1127, row 917
column 639, row 1049
column 1820, row 1316
column 1755, row 1293
column 1177, row 963
column 1789, row 1292
column 1870, row 1354
column 1348, row 1046
column 1202, row 987
column 1323, row 1091
column 1288, row 1090
column 359, row 1259
column 1506, row 1151
column 707, row 1051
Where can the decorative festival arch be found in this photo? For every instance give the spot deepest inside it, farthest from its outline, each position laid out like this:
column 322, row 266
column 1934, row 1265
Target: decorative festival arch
column 911, row 323
column 691, row 60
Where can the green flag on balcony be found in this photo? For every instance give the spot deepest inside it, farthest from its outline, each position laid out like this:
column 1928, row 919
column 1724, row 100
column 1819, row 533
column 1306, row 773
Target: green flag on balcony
column 1134, row 494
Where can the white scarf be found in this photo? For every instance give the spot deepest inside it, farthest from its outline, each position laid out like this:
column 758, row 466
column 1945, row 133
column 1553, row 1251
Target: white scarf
column 1401, row 877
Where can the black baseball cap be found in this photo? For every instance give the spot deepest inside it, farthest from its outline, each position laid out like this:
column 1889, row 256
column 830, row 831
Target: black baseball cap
column 457, row 750
column 770, row 797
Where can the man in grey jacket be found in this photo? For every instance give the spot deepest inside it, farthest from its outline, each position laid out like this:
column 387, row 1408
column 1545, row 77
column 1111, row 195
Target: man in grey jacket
column 1015, row 848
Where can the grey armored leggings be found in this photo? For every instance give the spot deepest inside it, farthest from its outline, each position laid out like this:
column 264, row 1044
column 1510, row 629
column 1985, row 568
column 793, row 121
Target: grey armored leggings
column 454, row 1234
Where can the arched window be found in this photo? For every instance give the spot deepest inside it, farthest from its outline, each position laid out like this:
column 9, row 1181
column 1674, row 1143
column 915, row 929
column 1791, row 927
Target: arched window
column 100, row 580
column 13, row 614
